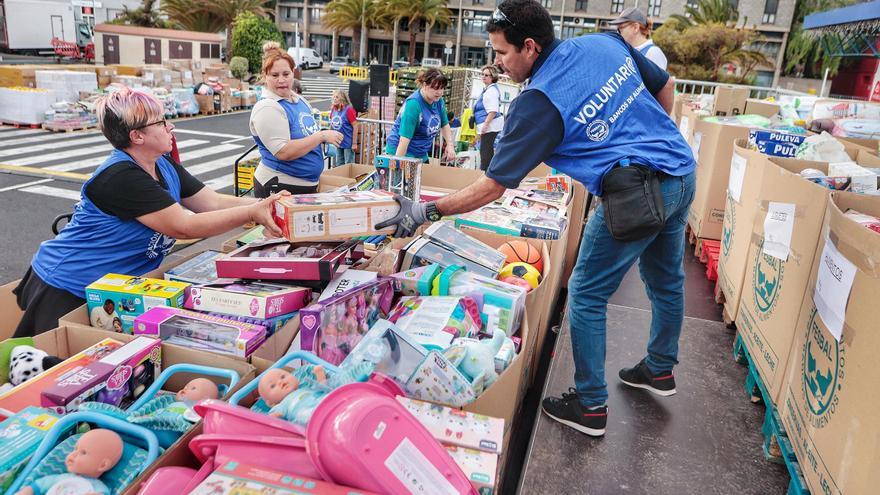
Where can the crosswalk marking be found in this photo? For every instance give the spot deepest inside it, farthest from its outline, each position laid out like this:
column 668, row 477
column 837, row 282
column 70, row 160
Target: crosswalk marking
column 26, row 184
column 55, row 192
column 22, row 132
column 205, row 152
column 48, row 146
column 321, row 88
column 220, row 182
column 204, row 168
column 93, row 161
column 205, row 133
column 45, row 137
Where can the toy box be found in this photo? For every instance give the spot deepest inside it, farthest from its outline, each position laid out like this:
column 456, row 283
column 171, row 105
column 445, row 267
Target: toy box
column 278, row 259
column 480, row 467
column 399, row 175
column 329, row 216
column 247, row 298
column 416, row 281
column 234, row 478
column 345, row 281
column 393, row 352
column 533, row 202
column 436, row 379
column 775, row 143
column 198, row 270
column 333, row 327
column 271, row 325
column 507, row 220
column 219, row 334
column 435, row 322
column 456, row 427
column 28, row 393
column 445, row 234
column 117, row 378
column 130, row 297
column 20, row 436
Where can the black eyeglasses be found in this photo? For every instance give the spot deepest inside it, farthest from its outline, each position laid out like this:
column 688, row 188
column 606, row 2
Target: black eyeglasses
column 163, row 122
column 499, row 16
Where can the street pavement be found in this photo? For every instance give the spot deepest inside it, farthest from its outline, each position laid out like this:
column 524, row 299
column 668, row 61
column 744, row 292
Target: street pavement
column 41, row 172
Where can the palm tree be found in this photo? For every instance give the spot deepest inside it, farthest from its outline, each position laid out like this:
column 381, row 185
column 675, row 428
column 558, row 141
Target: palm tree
column 707, row 12
column 430, row 12
column 144, row 16
column 228, row 10
column 193, row 16
column 357, row 15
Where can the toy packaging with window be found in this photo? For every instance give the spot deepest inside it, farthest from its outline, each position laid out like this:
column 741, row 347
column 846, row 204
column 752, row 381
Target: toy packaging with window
column 117, row 379
column 130, row 297
column 445, row 245
column 456, row 427
column 392, row 351
column 192, row 329
column 278, row 259
column 434, row 322
column 247, row 298
column 20, row 435
column 335, row 215
column 399, row 175
column 200, row 269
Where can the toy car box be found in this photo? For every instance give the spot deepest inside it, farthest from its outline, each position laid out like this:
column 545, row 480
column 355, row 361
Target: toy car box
column 218, row 334
column 334, row 216
column 131, row 297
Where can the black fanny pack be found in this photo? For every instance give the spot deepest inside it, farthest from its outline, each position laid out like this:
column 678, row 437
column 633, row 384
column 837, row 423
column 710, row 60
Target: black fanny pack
column 633, row 202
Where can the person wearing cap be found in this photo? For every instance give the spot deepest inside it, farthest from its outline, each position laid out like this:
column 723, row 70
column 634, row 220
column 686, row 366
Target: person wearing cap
column 635, row 28
column 593, row 107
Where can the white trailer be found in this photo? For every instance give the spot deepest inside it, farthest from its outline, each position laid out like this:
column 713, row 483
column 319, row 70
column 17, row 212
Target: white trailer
column 30, row 25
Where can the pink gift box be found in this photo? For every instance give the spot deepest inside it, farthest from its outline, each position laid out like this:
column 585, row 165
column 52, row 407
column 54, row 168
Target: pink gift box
column 304, row 261
column 244, row 298
column 204, row 331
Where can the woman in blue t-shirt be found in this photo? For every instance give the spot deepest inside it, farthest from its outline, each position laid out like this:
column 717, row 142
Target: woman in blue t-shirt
column 421, row 118
column 130, row 214
column 343, row 119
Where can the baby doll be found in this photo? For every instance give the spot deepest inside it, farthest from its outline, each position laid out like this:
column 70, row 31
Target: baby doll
column 96, row 452
column 294, row 396
column 164, row 412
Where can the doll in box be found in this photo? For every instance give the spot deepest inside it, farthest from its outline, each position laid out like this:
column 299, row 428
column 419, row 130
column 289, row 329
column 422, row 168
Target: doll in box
column 170, row 412
column 329, row 342
column 96, row 452
column 294, row 396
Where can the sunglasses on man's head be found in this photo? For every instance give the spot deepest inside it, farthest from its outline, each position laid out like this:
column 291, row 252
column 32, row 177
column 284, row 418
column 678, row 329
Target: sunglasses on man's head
column 499, row 17
column 163, row 122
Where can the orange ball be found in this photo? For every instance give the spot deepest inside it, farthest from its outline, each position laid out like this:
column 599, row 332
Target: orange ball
column 522, row 252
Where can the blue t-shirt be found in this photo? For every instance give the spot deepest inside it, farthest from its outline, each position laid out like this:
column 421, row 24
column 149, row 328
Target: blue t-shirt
column 535, row 131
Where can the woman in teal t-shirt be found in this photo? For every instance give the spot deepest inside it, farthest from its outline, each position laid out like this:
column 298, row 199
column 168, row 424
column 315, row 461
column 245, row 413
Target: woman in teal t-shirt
column 421, row 118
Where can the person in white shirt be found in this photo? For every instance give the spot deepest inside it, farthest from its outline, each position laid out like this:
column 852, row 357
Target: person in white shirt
column 635, row 28
column 487, row 114
column 103, row 316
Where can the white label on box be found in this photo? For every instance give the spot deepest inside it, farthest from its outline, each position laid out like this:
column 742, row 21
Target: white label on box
column 833, row 285
column 349, row 221
column 778, row 227
column 187, row 74
column 345, row 281
column 309, row 224
column 737, row 176
column 684, row 126
column 695, row 147
column 415, row 472
column 379, row 214
column 148, row 76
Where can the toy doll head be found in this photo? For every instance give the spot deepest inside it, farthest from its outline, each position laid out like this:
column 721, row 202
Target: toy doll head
column 198, row 389
column 351, row 306
column 275, row 385
column 117, row 325
column 96, row 452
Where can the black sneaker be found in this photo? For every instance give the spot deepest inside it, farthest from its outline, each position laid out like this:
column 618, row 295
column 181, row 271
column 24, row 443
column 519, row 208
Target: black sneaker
column 640, row 376
column 569, row 411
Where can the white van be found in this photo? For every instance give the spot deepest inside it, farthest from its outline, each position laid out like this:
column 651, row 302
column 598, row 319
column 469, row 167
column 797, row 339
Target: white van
column 307, row 58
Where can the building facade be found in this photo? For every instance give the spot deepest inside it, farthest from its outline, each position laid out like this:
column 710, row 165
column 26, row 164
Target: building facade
column 468, row 37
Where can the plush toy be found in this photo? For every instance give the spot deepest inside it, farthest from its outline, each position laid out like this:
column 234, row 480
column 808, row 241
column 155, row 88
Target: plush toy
column 294, row 396
column 165, row 412
column 96, row 452
column 478, row 362
column 26, row 362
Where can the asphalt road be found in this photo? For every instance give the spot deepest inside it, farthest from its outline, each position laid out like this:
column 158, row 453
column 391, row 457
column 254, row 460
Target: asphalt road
column 31, row 198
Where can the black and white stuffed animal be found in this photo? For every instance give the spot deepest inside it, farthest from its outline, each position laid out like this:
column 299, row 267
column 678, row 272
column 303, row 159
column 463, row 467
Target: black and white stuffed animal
column 26, row 362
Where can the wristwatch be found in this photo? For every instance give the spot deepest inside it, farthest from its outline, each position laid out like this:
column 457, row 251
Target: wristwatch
column 431, row 211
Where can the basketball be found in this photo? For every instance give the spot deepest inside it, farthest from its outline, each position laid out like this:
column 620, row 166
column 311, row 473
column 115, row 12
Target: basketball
column 522, row 252
column 521, row 270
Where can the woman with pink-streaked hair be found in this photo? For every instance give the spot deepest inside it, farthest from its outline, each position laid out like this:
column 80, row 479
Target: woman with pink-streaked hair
column 133, row 209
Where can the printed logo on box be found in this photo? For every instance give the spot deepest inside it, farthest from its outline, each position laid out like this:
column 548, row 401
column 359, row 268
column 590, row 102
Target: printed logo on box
column 119, row 378
column 767, row 282
column 822, row 369
column 728, row 228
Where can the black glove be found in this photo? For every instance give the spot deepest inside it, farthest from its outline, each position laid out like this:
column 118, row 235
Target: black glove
column 408, row 219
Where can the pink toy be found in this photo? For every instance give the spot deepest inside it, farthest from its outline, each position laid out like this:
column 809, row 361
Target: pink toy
column 96, row 452
column 190, row 328
column 286, row 261
column 517, row 281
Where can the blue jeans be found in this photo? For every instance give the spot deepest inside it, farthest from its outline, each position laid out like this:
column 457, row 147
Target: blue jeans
column 343, row 155
column 601, row 265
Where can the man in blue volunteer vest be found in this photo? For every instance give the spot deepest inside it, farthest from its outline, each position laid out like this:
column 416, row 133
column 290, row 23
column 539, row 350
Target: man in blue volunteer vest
column 590, row 104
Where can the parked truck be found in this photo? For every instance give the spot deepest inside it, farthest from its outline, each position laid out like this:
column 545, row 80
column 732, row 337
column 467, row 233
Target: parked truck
column 28, row 26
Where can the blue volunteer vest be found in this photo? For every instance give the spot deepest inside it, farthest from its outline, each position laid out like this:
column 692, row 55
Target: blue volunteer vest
column 480, row 113
column 339, row 122
column 607, row 112
column 302, row 124
column 427, row 130
column 94, row 243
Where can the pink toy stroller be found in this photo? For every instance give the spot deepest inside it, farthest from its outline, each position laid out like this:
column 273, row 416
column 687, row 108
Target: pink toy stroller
column 358, row 436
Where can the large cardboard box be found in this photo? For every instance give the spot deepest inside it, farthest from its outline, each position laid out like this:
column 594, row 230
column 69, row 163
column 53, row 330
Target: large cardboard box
column 712, row 143
column 10, row 311
column 747, row 171
column 761, row 107
column 773, row 289
column 730, row 100
column 830, row 402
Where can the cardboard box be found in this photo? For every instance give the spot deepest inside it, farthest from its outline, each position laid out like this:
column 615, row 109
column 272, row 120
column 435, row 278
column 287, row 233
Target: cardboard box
column 739, row 215
column 131, row 297
column 319, row 217
column 9, row 309
column 763, row 108
column 829, row 407
column 730, row 100
column 713, row 146
column 772, row 289
column 207, row 104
